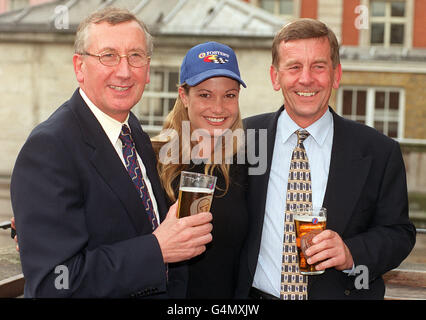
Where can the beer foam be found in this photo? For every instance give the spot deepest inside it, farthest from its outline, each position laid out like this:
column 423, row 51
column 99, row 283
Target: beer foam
column 196, row 189
column 308, row 218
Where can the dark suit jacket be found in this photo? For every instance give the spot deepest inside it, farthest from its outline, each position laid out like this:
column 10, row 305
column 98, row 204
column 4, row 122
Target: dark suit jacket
column 366, row 201
column 76, row 206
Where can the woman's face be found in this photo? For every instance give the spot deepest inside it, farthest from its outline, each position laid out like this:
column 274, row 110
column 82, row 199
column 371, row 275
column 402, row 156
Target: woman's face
column 212, row 104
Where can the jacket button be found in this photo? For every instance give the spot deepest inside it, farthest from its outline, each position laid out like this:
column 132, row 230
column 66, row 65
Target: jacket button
column 347, row 292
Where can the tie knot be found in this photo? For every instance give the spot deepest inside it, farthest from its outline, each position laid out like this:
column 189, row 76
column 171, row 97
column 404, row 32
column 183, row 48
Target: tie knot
column 301, row 136
column 125, row 136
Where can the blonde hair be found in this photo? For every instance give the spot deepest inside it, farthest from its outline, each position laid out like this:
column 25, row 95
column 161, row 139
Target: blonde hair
column 170, row 171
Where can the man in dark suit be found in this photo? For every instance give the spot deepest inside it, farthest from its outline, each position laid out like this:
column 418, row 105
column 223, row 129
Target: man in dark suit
column 85, row 230
column 356, row 173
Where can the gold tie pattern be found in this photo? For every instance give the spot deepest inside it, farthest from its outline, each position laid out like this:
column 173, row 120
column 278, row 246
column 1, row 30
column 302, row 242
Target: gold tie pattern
column 299, row 195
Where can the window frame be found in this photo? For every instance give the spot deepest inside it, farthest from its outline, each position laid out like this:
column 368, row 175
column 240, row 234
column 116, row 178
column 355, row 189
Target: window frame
column 370, row 110
column 295, row 13
column 388, row 20
column 150, row 94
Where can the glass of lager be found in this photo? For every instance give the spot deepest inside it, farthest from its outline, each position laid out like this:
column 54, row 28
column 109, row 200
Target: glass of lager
column 195, row 193
column 308, row 222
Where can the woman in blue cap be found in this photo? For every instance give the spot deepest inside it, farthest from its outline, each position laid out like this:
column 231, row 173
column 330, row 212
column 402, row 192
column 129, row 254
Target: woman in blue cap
column 208, row 106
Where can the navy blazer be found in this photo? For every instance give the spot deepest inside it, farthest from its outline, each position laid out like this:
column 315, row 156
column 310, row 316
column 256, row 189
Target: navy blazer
column 76, row 206
column 366, row 201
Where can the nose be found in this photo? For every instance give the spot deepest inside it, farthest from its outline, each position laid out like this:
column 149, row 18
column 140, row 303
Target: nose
column 123, row 68
column 217, row 106
column 306, row 76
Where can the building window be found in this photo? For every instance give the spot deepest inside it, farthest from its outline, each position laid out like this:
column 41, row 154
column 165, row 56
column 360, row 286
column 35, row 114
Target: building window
column 381, row 108
column 388, row 22
column 285, row 8
column 158, row 99
column 17, row 4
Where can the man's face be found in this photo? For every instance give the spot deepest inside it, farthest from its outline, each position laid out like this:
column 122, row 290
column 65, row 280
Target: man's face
column 114, row 90
column 306, row 77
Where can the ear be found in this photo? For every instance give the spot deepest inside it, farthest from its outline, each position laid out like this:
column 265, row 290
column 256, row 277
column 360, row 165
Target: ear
column 148, row 79
column 78, row 63
column 183, row 96
column 275, row 79
column 337, row 76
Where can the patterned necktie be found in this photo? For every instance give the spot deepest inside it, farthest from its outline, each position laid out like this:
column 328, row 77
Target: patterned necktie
column 299, row 195
column 132, row 165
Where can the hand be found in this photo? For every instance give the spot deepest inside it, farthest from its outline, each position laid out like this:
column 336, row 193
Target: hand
column 330, row 249
column 12, row 220
column 184, row 238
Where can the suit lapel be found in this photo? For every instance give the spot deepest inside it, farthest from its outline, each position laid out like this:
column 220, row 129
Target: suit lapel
column 258, row 184
column 108, row 164
column 348, row 171
column 261, row 181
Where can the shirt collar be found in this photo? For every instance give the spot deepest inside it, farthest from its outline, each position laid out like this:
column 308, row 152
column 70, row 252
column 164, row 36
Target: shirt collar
column 318, row 130
column 111, row 126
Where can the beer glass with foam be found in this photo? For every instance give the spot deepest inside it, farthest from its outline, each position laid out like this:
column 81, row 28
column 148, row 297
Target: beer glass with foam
column 308, row 223
column 195, row 193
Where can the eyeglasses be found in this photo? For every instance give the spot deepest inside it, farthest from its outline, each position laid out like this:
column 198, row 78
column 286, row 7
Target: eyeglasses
column 135, row 59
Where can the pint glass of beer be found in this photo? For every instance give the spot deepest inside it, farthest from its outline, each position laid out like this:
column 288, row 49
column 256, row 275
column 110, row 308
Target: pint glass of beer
column 308, row 222
column 195, row 193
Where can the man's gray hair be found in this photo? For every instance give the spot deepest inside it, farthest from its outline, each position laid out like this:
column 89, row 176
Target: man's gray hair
column 112, row 16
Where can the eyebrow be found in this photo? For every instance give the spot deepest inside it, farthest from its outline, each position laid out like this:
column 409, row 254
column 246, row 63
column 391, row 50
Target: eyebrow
column 115, row 50
column 294, row 61
column 203, row 89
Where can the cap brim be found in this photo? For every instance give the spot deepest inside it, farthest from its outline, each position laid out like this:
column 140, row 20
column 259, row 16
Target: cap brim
column 193, row 81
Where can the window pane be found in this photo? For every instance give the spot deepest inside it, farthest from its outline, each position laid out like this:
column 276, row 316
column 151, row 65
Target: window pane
column 398, row 9
column 143, row 108
column 397, row 34
column 268, row 5
column 393, row 129
column 171, row 104
column 286, row 7
column 379, row 125
column 377, row 33
column 361, row 100
column 378, row 8
column 158, row 106
column 394, row 100
column 156, row 81
column 173, row 81
column 380, row 100
column 158, row 122
column 347, row 102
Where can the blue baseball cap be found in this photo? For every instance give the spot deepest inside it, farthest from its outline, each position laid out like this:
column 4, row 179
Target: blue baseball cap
column 207, row 60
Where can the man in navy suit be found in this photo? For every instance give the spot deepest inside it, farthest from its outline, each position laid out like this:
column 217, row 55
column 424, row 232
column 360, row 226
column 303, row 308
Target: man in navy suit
column 83, row 229
column 357, row 174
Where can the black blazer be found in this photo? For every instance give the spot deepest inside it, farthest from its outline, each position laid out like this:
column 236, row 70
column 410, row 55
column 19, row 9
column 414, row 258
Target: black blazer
column 366, row 201
column 76, row 206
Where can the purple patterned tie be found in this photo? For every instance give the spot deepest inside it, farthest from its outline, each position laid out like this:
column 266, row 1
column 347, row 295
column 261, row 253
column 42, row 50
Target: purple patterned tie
column 132, row 165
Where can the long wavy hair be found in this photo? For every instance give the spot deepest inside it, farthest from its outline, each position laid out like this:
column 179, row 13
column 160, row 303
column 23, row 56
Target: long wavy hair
column 168, row 172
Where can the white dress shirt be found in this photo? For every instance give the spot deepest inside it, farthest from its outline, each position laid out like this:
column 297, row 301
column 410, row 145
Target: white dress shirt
column 112, row 129
column 318, row 148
